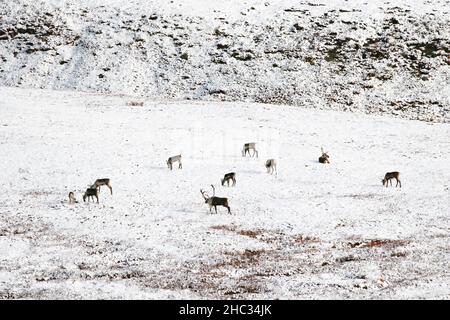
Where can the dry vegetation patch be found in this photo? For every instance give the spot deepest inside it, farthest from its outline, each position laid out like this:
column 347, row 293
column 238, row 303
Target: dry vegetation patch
column 241, row 260
column 377, row 243
column 302, row 239
column 269, row 236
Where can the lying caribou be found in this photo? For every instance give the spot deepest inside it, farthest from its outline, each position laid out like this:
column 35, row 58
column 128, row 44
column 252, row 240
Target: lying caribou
column 90, row 193
column 215, row 201
column 324, row 158
column 249, row 146
column 173, row 159
column 392, row 175
column 227, row 177
column 102, row 182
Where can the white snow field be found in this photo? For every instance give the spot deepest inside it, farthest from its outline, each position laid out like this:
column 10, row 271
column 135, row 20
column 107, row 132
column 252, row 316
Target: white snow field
column 313, row 231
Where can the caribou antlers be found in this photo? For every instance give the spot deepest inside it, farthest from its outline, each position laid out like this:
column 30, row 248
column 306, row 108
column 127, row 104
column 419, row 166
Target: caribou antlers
column 204, row 194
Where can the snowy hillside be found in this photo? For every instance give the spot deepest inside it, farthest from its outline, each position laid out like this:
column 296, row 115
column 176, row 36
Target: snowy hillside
column 313, row 231
column 366, row 56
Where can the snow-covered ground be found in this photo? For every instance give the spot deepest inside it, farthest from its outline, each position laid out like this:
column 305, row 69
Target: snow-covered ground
column 313, row 231
column 377, row 56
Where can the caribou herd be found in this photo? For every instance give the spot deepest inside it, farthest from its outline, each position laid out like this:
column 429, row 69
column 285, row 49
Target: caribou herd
column 213, row 201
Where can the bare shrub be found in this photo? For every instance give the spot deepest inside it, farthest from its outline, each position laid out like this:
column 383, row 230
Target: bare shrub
column 398, row 254
column 347, row 259
column 135, row 103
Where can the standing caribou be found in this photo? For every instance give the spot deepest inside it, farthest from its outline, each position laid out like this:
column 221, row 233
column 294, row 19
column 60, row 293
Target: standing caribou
column 215, row 201
column 227, row 177
column 392, row 175
column 102, row 182
column 271, row 165
column 173, row 159
column 249, row 146
column 90, row 193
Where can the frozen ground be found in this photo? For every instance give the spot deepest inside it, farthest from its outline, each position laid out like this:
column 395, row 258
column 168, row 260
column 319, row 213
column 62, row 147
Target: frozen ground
column 314, row 231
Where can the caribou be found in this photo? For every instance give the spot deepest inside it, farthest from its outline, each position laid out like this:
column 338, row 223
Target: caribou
column 90, row 193
column 392, row 175
column 72, row 198
column 249, row 146
column 271, row 166
column 324, row 158
column 173, row 159
column 102, row 182
column 227, row 177
column 215, row 201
